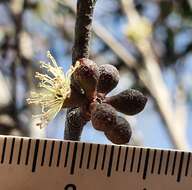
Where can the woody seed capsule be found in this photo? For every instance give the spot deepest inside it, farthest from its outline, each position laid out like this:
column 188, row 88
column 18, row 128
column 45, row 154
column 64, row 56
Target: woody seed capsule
column 103, row 116
column 129, row 102
column 86, row 75
column 108, row 79
column 120, row 133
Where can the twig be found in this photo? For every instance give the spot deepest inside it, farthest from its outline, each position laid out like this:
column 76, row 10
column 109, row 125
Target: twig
column 75, row 118
column 83, row 29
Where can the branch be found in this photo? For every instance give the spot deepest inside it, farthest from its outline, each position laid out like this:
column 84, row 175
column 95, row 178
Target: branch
column 83, row 29
column 75, row 118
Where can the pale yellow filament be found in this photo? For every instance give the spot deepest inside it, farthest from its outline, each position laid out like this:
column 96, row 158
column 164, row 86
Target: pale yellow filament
column 54, row 89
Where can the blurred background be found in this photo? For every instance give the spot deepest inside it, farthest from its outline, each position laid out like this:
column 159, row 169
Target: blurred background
column 150, row 42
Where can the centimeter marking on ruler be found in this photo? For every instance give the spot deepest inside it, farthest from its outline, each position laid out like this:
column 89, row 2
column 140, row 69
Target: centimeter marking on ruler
column 36, row 153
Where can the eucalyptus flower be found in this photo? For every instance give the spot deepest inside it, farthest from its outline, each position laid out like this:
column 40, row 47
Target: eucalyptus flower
column 54, row 89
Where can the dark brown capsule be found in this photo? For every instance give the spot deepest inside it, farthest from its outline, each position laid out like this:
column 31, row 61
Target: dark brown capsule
column 86, row 75
column 129, row 102
column 108, row 79
column 120, row 133
column 75, row 121
column 74, row 99
column 103, row 116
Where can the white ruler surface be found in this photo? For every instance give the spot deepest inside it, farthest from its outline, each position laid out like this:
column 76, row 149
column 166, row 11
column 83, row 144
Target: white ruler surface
column 42, row 164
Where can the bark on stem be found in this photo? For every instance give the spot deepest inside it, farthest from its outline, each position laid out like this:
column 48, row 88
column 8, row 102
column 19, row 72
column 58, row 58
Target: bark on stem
column 83, row 29
column 75, row 118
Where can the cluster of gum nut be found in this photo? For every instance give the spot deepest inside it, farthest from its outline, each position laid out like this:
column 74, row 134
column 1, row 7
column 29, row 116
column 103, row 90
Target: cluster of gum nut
column 94, row 83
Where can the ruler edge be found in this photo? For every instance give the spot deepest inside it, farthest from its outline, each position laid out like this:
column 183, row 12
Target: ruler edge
column 94, row 144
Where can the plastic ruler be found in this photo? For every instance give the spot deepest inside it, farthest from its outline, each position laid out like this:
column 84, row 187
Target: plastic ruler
column 43, row 164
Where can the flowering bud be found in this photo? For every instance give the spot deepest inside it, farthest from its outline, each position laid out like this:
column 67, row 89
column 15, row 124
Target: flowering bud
column 120, row 133
column 86, row 75
column 76, row 120
column 74, row 99
column 108, row 79
column 103, row 116
column 129, row 102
